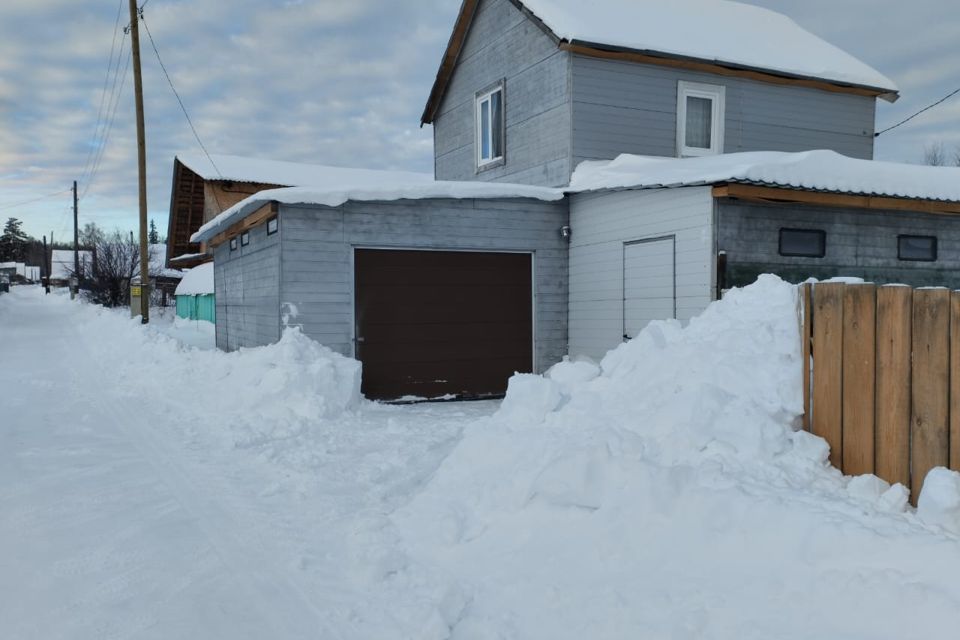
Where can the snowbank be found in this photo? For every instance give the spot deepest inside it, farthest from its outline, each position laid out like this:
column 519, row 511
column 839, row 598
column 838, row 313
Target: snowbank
column 283, row 386
column 667, row 493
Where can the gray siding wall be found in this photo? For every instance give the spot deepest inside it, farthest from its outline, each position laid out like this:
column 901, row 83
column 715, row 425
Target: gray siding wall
column 318, row 244
column 860, row 243
column 602, row 222
column 625, row 107
column 503, row 44
column 247, row 285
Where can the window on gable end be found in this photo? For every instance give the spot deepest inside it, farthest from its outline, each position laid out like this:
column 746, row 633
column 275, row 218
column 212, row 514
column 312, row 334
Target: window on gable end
column 700, row 115
column 490, row 127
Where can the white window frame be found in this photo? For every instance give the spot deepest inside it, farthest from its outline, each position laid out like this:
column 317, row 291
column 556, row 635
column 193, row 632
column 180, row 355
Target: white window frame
column 717, row 95
column 485, row 97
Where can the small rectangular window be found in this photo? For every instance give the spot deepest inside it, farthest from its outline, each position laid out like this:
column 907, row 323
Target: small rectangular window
column 272, row 225
column 490, row 127
column 700, row 114
column 803, row 243
column 245, row 238
column 917, row 248
column 233, row 244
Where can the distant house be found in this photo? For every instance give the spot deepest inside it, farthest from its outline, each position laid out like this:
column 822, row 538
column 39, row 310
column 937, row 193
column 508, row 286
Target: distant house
column 195, row 294
column 62, row 266
column 599, row 165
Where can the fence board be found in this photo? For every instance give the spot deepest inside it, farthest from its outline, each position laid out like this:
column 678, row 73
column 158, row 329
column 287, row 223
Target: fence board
column 859, row 371
column 931, row 373
column 828, row 367
column 955, row 381
column 805, row 329
column 894, row 335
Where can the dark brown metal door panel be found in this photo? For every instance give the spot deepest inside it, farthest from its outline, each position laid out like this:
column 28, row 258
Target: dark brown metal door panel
column 433, row 323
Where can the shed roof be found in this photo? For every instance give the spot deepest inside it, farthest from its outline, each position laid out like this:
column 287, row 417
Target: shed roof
column 823, row 171
column 197, row 281
column 371, row 192
column 721, row 32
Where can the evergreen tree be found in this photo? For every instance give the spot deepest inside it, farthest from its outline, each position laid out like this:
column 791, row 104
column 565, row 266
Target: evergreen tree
column 13, row 242
column 153, row 236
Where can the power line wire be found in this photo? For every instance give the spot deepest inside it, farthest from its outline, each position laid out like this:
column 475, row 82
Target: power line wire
column 103, row 92
column 175, row 93
column 20, row 204
column 109, row 128
column 925, row 109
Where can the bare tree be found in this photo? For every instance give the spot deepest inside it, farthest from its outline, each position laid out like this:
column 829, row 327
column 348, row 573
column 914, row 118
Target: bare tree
column 935, row 155
column 117, row 259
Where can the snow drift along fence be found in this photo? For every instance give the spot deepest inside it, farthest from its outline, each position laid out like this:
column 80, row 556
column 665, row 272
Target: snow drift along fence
column 885, row 387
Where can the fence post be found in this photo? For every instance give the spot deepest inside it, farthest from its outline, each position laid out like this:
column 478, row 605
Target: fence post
column 954, row 435
column 859, row 373
column 828, row 367
column 931, row 385
column 805, row 330
column 894, row 335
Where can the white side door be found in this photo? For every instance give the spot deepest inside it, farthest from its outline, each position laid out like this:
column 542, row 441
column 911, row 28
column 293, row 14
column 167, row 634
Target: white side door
column 649, row 283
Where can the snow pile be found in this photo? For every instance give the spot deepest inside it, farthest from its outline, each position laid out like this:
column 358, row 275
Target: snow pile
column 278, row 388
column 713, row 30
column 196, row 281
column 666, row 493
column 815, row 170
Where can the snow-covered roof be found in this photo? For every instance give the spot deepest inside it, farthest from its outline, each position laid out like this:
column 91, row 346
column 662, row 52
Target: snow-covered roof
column 825, row 171
column 61, row 263
column 718, row 31
column 291, row 174
column 372, row 191
column 158, row 262
column 196, row 281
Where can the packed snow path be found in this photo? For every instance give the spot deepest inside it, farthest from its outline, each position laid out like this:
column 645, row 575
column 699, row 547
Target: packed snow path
column 148, row 490
column 115, row 524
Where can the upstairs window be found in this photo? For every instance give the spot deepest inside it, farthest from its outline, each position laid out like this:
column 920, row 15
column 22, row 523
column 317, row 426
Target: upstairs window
column 917, row 248
column 490, row 127
column 803, row 243
column 245, row 238
column 700, row 113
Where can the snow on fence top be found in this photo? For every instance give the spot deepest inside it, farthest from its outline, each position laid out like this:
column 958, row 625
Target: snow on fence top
column 291, row 174
column 713, row 30
column 197, row 281
column 374, row 190
column 825, row 171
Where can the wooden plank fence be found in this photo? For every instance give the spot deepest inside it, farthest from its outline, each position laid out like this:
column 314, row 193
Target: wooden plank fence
column 884, row 385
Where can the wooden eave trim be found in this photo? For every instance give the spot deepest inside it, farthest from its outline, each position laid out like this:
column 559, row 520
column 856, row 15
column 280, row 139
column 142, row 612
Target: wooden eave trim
column 775, row 195
column 173, row 206
column 449, row 61
column 597, row 51
column 254, row 219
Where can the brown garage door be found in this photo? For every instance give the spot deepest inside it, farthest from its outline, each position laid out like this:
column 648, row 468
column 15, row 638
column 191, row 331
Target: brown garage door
column 432, row 323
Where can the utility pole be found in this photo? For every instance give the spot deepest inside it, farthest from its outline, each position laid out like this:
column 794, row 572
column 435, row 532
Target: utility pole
column 76, row 243
column 141, row 162
column 45, row 265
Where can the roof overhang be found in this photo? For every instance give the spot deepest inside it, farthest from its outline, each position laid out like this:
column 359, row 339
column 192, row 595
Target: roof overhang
column 598, row 50
column 791, row 195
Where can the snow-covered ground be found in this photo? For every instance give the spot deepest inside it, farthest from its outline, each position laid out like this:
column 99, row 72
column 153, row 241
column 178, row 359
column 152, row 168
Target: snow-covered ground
column 149, row 489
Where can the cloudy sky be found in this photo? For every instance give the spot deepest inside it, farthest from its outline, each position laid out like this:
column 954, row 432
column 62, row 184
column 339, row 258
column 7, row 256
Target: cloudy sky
column 338, row 82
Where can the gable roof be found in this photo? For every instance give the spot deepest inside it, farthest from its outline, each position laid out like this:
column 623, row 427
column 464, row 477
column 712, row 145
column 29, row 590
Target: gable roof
column 821, row 171
column 727, row 36
column 277, row 172
column 61, row 263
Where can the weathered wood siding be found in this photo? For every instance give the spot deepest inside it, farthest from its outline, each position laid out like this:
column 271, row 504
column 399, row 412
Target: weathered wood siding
column 503, row 44
column 860, row 243
column 602, row 222
column 625, row 107
column 319, row 242
column 247, row 285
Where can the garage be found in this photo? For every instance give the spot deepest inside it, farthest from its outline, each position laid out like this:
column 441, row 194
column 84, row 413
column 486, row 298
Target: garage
column 433, row 324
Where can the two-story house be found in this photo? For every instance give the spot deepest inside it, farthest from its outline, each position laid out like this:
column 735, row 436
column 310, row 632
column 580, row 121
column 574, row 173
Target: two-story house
column 598, row 165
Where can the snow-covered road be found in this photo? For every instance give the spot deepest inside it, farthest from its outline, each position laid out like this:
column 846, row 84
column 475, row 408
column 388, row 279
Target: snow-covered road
column 120, row 519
